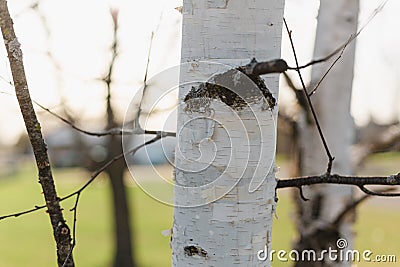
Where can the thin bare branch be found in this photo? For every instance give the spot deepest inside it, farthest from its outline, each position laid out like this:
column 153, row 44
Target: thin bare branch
column 379, row 194
column 352, row 206
column 7, row 81
column 330, row 68
column 61, row 230
column 113, row 131
column 343, row 46
column 148, row 61
column 359, row 181
column 139, row 111
column 75, row 210
column 92, row 177
column 386, row 140
column 330, row 157
column 302, row 194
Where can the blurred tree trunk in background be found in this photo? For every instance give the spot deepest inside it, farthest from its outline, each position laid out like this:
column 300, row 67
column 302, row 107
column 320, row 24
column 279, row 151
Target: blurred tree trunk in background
column 337, row 20
column 122, row 226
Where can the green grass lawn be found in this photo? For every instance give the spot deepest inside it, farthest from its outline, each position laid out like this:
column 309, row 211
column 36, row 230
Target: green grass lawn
column 27, row 240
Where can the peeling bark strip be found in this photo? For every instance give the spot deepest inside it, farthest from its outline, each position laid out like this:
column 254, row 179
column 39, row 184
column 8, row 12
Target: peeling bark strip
column 61, row 231
column 236, row 88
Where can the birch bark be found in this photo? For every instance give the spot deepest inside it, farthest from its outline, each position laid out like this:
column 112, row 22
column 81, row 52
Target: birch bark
column 223, row 206
column 337, row 20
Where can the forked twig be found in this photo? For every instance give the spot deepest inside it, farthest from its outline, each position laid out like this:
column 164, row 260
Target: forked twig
column 330, row 157
column 92, row 177
column 330, row 68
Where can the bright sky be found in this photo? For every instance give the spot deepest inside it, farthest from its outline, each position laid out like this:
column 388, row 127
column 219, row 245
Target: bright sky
column 81, row 35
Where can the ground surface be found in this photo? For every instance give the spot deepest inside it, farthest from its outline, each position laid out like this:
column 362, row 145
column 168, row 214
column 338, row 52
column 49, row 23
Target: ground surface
column 27, row 240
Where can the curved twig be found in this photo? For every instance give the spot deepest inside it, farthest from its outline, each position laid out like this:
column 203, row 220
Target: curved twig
column 321, row 134
column 92, row 178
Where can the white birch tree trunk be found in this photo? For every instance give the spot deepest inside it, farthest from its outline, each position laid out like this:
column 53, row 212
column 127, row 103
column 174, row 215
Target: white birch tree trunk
column 224, row 151
column 337, row 20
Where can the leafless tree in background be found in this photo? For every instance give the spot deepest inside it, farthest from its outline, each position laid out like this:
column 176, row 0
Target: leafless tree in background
column 113, row 166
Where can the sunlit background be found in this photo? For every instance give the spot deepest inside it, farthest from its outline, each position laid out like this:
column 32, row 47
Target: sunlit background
column 66, row 46
column 67, row 50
